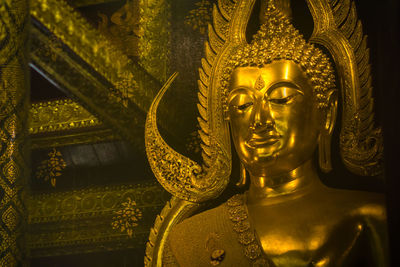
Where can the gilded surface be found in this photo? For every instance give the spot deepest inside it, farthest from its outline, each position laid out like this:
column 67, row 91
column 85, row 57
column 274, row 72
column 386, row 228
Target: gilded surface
column 127, row 218
column 74, row 76
column 51, row 168
column 178, row 174
column 113, row 69
column 14, row 153
column 154, row 41
column 82, row 3
column 277, row 97
column 199, row 18
column 83, row 39
column 122, row 28
column 59, row 115
column 80, row 221
column 86, row 137
column 340, row 31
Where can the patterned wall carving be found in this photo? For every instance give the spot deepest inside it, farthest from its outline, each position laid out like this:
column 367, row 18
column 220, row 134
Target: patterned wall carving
column 80, row 221
column 59, row 115
column 85, row 137
column 86, row 87
column 154, row 44
column 95, row 49
column 103, row 69
column 14, row 147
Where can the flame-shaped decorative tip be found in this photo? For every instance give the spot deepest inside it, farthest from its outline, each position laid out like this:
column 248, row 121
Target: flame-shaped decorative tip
column 178, row 174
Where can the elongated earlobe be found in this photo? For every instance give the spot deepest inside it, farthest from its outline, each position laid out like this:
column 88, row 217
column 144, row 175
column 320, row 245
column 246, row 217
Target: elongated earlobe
column 226, row 115
column 243, row 176
column 324, row 144
column 324, row 153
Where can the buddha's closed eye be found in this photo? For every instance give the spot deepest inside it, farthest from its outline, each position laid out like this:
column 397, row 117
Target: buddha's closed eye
column 244, row 106
column 283, row 95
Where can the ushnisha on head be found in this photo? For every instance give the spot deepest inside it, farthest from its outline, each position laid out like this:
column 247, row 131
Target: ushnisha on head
column 277, row 39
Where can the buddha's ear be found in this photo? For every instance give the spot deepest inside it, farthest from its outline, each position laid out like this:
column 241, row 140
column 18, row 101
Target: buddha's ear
column 329, row 120
column 226, row 115
column 331, row 112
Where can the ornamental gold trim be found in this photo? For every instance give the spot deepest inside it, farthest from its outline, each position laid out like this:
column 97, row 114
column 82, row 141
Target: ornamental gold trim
column 154, row 49
column 80, row 138
column 80, row 221
column 94, row 48
column 84, row 3
column 60, row 115
column 87, row 87
column 108, row 66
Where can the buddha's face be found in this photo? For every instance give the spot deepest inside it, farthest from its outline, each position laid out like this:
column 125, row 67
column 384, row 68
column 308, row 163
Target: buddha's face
column 274, row 119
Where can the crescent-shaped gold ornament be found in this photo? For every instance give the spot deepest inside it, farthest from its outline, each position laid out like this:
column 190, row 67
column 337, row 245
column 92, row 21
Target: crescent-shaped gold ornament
column 178, row 174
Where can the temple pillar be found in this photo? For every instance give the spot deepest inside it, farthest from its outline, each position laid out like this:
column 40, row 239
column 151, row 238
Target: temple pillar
column 14, row 146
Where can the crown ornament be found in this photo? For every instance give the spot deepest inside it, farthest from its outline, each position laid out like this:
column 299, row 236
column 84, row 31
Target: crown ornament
column 277, row 39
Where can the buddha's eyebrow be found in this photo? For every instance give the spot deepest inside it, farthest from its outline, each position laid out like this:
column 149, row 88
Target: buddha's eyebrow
column 285, row 84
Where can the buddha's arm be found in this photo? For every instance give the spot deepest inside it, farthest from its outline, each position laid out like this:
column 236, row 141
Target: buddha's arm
column 377, row 233
column 340, row 242
column 369, row 221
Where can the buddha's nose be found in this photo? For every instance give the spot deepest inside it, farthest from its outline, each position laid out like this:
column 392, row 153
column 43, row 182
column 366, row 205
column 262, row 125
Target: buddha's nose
column 263, row 119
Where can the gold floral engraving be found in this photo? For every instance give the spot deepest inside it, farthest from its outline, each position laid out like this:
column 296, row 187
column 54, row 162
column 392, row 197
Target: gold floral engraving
column 60, row 115
column 154, row 33
column 92, row 91
column 11, row 171
column 6, row 87
column 123, row 27
column 52, row 167
column 246, row 235
column 127, row 218
column 74, row 31
column 103, row 56
column 8, row 260
column 10, row 218
column 51, row 48
column 199, row 18
column 193, row 142
column 14, row 154
column 124, row 90
column 177, row 173
column 92, row 209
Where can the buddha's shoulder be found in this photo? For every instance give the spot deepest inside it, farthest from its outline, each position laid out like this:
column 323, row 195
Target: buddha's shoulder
column 361, row 203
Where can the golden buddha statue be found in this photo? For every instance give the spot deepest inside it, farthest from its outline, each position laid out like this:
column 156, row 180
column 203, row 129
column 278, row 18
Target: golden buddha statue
column 277, row 98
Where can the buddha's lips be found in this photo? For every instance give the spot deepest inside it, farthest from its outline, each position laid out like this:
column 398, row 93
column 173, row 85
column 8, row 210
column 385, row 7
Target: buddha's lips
column 257, row 142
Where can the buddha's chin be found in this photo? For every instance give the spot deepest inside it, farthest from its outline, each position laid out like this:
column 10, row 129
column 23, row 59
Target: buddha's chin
column 264, row 157
column 265, row 154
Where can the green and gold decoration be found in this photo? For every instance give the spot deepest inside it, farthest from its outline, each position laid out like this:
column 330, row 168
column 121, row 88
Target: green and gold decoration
column 52, row 167
column 127, row 217
column 14, row 145
column 123, row 27
column 199, row 18
column 124, row 90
